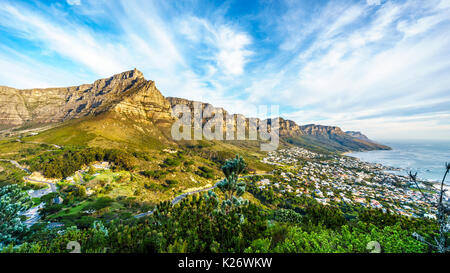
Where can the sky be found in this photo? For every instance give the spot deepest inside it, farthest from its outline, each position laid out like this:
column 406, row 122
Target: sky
column 377, row 66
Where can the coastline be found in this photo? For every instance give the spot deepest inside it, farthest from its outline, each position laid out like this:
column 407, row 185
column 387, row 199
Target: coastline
column 435, row 183
column 426, row 157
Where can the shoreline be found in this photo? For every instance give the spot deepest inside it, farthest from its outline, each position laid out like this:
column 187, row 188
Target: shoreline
column 393, row 163
column 436, row 184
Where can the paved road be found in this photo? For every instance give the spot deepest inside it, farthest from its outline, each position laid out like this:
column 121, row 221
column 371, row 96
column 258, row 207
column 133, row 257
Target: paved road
column 33, row 215
column 176, row 200
column 15, row 163
column 26, row 178
column 52, row 185
column 182, row 196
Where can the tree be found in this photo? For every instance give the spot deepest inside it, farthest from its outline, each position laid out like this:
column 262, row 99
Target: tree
column 13, row 202
column 442, row 214
column 231, row 188
column 230, row 185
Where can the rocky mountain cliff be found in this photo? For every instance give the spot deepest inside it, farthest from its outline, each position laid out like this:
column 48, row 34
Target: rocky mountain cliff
column 130, row 96
column 328, row 138
column 321, row 130
column 125, row 93
column 358, row 135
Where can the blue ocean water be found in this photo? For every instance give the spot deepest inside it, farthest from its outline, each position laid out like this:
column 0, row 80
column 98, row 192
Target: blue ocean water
column 427, row 158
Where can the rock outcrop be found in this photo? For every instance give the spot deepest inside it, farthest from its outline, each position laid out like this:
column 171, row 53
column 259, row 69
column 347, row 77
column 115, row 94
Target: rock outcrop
column 321, row 130
column 330, row 138
column 130, row 95
column 358, row 135
column 125, row 93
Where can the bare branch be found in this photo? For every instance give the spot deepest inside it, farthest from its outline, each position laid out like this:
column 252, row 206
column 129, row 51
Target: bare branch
column 421, row 239
column 413, row 177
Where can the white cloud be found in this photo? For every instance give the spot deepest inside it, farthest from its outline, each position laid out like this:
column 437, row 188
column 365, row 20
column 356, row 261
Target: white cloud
column 373, row 2
column 227, row 47
column 232, row 53
column 74, row 2
column 346, row 64
column 67, row 39
column 20, row 71
column 370, row 69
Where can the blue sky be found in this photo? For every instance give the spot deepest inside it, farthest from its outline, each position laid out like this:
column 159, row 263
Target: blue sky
column 377, row 66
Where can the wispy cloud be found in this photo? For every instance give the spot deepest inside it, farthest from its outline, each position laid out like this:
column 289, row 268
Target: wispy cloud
column 363, row 65
column 397, row 57
column 74, row 2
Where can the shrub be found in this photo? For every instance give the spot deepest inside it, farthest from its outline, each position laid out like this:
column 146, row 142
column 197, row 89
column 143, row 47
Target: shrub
column 171, row 182
column 205, row 172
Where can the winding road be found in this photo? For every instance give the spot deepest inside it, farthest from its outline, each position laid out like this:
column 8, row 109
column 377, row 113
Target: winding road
column 174, row 201
column 15, row 163
column 26, row 178
column 33, row 213
column 52, row 185
column 182, row 196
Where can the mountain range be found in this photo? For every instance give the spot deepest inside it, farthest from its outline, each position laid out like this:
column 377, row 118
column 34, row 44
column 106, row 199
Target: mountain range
column 128, row 110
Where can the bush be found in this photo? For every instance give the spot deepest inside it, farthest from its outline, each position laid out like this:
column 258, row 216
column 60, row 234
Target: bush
column 153, row 186
column 205, row 172
column 171, row 182
column 156, row 174
column 47, row 210
column 171, row 162
column 63, row 163
column 287, row 215
column 99, row 203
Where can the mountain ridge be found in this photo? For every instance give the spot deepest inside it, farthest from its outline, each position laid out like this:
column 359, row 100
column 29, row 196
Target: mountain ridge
column 314, row 135
column 128, row 95
column 52, row 105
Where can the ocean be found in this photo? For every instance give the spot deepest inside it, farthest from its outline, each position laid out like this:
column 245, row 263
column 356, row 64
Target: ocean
column 427, row 158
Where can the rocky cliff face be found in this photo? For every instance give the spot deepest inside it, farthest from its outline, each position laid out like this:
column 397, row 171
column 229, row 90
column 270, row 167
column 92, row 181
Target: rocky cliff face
column 321, row 130
column 125, row 93
column 130, row 95
column 331, row 138
column 358, row 135
column 289, row 128
column 202, row 106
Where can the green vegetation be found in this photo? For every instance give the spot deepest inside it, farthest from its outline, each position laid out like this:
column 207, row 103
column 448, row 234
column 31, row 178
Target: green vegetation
column 98, row 209
column 215, row 222
column 9, row 174
column 244, row 229
column 155, row 174
column 205, row 172
column 13, row 201
column 63, row 163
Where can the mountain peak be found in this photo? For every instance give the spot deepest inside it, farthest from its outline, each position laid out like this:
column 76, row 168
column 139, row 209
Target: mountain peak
column 313, row 129
column 130, row 74
column 358, row 135
column 129, row 89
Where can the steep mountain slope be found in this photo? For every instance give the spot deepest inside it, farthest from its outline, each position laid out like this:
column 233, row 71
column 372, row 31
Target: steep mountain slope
column 128, row 93
column 123, row 111
column 126, row 110
column 358, row 135
column 316, row 137
column 341, row 141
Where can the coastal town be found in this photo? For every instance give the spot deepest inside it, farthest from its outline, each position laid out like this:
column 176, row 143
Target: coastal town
column 337, row 180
